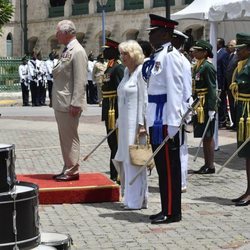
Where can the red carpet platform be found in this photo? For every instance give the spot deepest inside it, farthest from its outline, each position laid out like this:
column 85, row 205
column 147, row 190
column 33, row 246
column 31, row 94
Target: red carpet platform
column 91, row 187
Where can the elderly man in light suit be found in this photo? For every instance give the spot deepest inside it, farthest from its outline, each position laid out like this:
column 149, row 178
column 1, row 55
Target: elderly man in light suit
column 68, row 97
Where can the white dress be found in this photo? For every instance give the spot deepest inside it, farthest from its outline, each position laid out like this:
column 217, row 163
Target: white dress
column 132, row 104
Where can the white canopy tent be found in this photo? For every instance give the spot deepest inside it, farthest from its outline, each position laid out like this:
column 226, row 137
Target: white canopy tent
column 198, row 10
column 229, row 16
column 226, row 17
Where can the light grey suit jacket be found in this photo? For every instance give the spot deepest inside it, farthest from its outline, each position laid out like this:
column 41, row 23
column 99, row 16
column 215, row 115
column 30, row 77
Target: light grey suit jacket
column 70, row 79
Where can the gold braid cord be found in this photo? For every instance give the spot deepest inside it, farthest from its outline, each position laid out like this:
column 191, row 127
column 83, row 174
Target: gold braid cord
column 244, row 123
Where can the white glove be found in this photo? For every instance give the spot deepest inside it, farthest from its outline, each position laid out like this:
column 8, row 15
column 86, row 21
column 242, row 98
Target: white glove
column 172, row 131
column 211, row 114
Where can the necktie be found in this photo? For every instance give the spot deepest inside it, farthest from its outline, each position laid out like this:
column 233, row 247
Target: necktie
column 64, row 50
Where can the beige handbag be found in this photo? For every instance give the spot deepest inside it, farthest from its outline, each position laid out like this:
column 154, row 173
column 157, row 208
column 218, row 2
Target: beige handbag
column 140, row 153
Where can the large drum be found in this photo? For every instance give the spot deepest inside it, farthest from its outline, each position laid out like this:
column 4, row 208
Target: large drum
column 43, row 247
column 19, row 220
column 59, row 241
column 7, row 167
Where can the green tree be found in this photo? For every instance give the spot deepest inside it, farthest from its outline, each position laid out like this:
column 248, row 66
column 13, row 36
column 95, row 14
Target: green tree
column 6, row 12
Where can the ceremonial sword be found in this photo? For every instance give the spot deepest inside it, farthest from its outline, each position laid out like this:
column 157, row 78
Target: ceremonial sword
column 98, row 145
column 202, row 138
column 190, row 109
column 236, row 152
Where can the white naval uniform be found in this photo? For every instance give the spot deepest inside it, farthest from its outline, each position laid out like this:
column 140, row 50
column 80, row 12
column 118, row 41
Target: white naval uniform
column 49, row 66
column 32, row 72
column 187, row 99
column 168, row 81
column 23, row 73
column 132, row 104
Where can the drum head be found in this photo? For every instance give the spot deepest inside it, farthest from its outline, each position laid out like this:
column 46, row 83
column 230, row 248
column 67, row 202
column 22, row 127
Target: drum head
column 54, row 239
column 22, row 190
column 43, row 247
column 4, row 147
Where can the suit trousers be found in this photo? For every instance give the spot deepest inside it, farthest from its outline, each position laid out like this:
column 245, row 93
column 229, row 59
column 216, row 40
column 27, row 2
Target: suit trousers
column 69, row 140
column 168, row 167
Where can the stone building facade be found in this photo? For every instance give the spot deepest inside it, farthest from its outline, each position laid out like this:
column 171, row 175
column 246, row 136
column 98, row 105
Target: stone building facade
column 125, row 19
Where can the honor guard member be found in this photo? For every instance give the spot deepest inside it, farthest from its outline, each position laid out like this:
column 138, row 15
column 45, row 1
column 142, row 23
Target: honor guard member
column 42, row 80
column 204, row 87
column 23, row 74
column 240, row 88
column 32, row 77
column 165, row 97
column 178, row 42
column 112, row 77
column 50, row 63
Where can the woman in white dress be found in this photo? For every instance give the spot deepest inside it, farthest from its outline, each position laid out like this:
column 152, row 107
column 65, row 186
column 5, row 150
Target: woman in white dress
column 132, row 104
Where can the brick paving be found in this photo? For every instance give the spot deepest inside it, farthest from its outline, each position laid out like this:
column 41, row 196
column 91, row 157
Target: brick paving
column 210, row 219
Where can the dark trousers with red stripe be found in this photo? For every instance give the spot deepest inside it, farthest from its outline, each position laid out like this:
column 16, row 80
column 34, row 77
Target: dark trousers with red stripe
column 168, row 167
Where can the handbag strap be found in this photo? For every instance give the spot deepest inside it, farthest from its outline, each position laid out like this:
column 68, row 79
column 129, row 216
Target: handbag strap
column 138, row 136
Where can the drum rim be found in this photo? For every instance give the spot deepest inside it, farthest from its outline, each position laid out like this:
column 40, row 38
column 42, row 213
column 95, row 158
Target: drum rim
column 58, row 242
column 7, row 146
column 7, row 197
column 20, row 242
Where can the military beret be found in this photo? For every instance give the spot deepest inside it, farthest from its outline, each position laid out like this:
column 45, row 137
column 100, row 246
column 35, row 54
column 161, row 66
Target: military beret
column 242, row 40
column 110, row 44
column 204, row 45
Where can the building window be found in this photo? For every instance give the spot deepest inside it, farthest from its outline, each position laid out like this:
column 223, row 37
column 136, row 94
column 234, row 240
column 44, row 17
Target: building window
column 162, row 3
column 188, row 1
column 80, row 7
column 55, row 3
column 133, row 4
column 57, row 8
column 9, row 45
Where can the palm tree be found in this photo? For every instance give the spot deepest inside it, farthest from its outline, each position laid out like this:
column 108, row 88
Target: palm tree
column 6, row 12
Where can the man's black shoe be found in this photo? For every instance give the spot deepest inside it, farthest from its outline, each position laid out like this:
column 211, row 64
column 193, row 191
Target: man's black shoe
column 242, row 203
column 154, row 216
column 163, row 219
column 205, row 170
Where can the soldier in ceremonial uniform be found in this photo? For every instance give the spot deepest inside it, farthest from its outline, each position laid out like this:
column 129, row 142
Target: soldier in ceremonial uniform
column 178, row 42
column 23, row 74
column 32, row 77
column 50, row 64
column 112, row 77
column 240, row 88
column 165, row 95
column 204, row 87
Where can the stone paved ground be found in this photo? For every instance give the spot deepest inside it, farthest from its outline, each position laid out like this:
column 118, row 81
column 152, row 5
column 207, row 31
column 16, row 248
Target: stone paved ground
column 210, row 220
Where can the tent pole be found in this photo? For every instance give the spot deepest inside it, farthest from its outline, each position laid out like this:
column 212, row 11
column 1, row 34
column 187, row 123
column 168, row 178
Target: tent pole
column 213, row 41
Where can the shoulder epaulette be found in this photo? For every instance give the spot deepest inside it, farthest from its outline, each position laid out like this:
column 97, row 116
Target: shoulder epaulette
column 170, row 48
column 158, row 50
